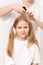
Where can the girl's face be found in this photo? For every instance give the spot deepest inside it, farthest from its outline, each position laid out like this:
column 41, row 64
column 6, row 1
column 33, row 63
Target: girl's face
column 22, row 29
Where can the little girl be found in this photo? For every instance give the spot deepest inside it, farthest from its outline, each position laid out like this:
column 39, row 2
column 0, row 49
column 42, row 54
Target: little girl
column 23, row 48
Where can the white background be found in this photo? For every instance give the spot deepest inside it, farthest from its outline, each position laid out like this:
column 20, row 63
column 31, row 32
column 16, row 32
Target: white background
column 4, row 28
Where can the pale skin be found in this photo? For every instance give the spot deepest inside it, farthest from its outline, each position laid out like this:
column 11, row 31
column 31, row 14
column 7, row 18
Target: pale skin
column 29, row 3
column 18, row 8
column 22, row 30
column 38, row 21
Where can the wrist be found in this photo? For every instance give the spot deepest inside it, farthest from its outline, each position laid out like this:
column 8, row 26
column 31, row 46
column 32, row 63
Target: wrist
column 36, row 20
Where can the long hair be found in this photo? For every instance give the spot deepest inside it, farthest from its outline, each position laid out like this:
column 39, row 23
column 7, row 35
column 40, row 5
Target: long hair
column 31, row 35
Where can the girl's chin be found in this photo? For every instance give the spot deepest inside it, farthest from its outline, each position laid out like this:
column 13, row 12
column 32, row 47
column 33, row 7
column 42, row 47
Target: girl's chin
column 22, row 38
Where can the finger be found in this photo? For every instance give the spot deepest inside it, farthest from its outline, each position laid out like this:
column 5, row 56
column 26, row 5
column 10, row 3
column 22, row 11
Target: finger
column 31, row 14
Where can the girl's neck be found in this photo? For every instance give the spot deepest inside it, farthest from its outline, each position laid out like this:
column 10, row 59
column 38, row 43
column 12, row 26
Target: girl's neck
column 27, row 4
column 22, row 39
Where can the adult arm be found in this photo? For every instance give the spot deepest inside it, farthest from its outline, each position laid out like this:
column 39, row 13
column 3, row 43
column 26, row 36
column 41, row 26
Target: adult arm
column 17, row 7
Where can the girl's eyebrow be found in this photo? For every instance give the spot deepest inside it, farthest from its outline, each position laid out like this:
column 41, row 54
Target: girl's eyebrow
column 21, row 27
column 25, row 26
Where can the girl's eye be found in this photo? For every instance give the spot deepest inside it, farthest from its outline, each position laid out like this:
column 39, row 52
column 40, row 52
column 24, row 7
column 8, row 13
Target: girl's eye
column 19, row 27
column 25, row 27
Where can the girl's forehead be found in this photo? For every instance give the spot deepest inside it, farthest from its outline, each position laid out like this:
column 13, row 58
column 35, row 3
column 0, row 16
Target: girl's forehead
column 21, row 22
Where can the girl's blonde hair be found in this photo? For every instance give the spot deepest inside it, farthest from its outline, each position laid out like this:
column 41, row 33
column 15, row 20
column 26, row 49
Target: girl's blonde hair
column 31, row 35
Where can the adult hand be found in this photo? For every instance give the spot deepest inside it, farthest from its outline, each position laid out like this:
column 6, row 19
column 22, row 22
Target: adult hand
column 18, row 8
column 31, row 15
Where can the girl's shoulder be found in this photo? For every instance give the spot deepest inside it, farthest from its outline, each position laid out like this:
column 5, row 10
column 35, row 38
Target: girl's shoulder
column 35, row 48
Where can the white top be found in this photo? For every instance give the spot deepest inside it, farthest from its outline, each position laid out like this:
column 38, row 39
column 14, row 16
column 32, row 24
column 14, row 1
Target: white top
column 7, row 21
column 35, row 8
column 23, row 55
column 10, row 17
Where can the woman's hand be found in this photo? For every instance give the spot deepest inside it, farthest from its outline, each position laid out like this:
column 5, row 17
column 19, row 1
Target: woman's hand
column 18, row 8
column 35, row 19
column 31, row 15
